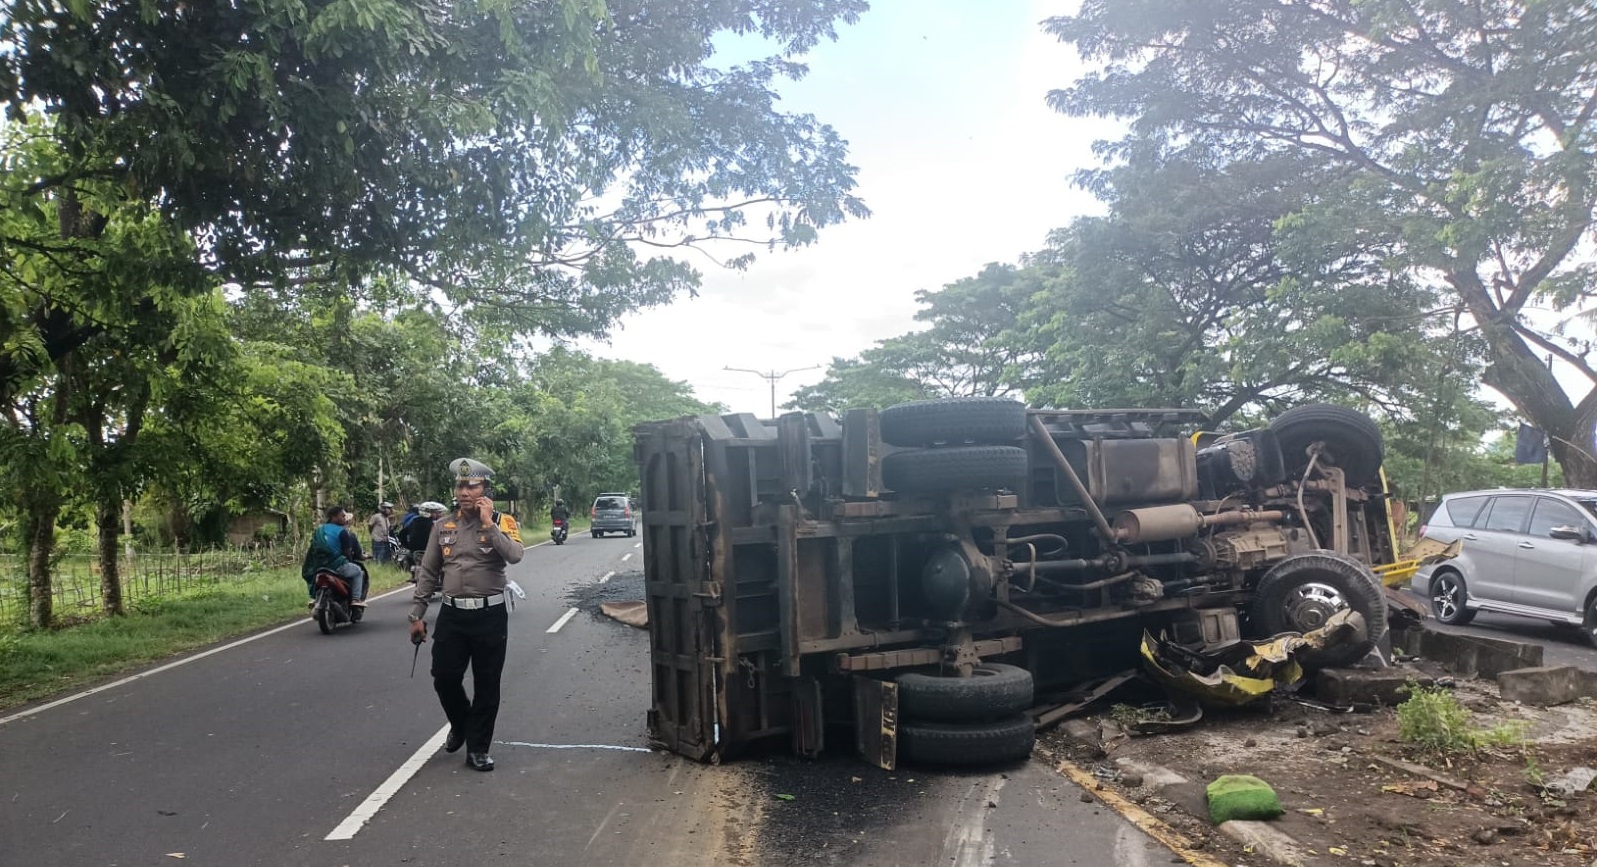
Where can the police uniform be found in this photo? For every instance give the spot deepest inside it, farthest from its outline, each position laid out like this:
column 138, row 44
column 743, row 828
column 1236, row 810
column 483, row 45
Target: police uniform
column 466, row 559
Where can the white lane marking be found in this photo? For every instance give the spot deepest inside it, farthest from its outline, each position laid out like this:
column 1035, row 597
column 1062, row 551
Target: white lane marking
column 347, row 829
column 606, row 577
column 575, row 746
column 969, row 843
column 637, row 544
column 564, row 619
column 171, row 665
column 627, row 556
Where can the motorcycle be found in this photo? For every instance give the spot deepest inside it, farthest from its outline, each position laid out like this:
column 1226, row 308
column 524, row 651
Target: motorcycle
column 560, row 531
column 333, row 608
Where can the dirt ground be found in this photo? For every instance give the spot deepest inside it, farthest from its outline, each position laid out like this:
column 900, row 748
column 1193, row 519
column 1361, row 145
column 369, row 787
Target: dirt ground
column 1349, row 799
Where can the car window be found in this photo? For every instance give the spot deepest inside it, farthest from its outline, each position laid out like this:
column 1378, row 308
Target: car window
column 607, row 503
column 1507, row 514
column 1463, row 511
column 1552, row 513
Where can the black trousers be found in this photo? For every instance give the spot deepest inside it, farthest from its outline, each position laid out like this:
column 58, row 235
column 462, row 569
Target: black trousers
column 474, row 637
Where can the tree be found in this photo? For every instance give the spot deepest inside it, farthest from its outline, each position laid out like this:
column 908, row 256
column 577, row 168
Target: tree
column 1464, row 131
column 101, row 302
column 513, row 156
column 1187, row 294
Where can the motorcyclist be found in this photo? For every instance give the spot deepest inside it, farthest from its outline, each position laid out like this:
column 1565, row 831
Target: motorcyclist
column 559, row 512
column 414, row 535
column 334, row 548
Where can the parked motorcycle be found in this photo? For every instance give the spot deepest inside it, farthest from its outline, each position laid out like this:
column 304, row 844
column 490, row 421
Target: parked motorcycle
column 333, row 606
column 560, row 531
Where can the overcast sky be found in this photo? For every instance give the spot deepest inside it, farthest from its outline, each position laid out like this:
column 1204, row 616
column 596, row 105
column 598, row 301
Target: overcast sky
column 960, row 160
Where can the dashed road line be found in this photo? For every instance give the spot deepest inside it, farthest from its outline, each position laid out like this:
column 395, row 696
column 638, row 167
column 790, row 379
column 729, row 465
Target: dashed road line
column 627, row 556
column 347, row 829
column 606, row 577
column 564, row 619
column 637, row 544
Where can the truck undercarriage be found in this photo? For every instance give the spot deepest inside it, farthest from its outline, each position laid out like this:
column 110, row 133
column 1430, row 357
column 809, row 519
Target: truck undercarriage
column 913, row 577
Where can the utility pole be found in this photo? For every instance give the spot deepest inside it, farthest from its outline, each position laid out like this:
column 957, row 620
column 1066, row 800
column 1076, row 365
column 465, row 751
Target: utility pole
column 772, row 376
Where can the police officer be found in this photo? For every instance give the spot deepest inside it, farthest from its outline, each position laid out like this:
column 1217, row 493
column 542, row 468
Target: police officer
column 466, row 555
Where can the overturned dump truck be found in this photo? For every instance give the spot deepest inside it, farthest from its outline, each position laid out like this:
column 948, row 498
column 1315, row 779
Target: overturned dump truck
column 911, row 579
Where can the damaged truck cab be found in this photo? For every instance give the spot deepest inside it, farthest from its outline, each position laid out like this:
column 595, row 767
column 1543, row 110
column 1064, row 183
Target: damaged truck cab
column 916, row 576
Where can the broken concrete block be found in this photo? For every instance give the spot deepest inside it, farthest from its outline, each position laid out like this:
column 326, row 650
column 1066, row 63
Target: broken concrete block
column 1545, row 686
column 1268, row 841
column 1468, row 655
column 1345, row 686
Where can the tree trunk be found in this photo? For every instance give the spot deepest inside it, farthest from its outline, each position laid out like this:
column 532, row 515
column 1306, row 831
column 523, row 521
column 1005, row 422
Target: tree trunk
column 1518, row 373
column 42, row 512
column 109, row 514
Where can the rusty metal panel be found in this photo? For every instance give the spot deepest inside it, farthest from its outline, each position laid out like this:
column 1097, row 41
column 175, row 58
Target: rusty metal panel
column 682, row 638
column 876, row 721
column 862, row 454
column 1142, row 470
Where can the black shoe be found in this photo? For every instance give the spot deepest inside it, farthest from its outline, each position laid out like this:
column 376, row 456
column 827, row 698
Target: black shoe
column 455, row 741
column 479, row 761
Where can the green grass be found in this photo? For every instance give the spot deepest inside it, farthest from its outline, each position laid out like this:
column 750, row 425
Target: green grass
column 36, row 665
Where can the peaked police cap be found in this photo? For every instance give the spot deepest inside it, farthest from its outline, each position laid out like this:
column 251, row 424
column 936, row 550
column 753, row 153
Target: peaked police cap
column 468, row 470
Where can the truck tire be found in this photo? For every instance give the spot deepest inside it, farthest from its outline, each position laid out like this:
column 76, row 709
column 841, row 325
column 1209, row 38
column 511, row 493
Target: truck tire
column 963, row 468
column 1352, row 441
column 984, row 743
column 1301, row 592
column 993, row 690
column 954, row 420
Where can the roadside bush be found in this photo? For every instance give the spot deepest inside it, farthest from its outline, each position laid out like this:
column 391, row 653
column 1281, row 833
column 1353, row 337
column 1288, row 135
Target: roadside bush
column 1433, row 720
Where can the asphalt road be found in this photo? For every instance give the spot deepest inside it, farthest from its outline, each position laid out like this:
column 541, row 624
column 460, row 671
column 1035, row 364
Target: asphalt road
column 297, row 748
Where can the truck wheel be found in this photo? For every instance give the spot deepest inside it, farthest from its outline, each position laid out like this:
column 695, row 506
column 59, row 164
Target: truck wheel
column 1448, row 595
column 992, row 690
column 954, row 420
column 1352, row 441
column 933, row 471
column 984, row 743
column 1300, row 593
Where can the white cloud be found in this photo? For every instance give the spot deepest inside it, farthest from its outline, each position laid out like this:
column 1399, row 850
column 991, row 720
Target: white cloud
column 961, row 161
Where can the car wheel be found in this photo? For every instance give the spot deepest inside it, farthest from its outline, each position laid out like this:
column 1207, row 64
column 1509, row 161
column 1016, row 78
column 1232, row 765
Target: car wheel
column 983, row 743
column 598, row 534
column 1448, row 595
column 991, row 691
column 1301, row 593
column 964, row 468
column 1350, row 439
column 1589, row 628
column 956, row 420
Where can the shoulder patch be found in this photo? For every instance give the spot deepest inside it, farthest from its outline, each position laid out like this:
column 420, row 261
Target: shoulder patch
column 449, row 525
column 509, row 527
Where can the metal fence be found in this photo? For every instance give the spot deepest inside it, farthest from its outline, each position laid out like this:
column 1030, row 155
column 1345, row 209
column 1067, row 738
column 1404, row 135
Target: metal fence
column 76, row 577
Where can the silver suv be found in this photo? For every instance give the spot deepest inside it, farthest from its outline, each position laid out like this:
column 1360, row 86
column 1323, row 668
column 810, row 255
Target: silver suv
column 1531, row 553
column 612, row 513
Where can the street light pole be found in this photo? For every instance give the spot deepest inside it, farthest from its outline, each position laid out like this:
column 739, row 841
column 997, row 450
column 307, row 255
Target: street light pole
column 772, row 376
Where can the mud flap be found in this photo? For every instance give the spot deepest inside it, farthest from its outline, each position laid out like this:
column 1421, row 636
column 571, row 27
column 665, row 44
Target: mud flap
column 876, row 721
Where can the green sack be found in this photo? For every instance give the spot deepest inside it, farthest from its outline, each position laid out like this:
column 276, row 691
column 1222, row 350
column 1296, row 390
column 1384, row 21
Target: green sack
column 1239, row 796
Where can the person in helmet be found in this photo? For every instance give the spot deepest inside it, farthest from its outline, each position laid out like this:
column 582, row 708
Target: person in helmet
column 381, row 525
column 335, row 548
column 466, row 555
column 413, row 535
column 559, row 512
